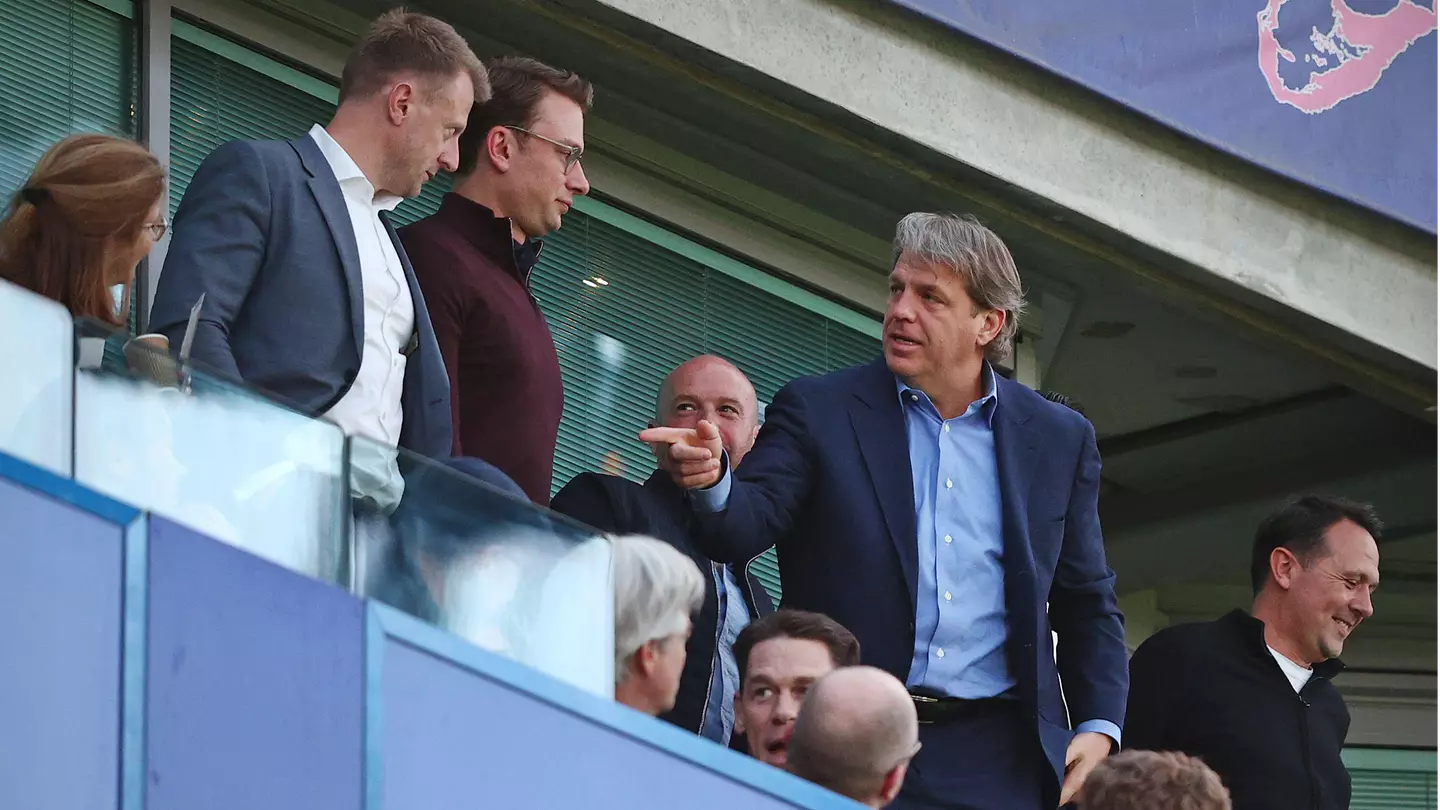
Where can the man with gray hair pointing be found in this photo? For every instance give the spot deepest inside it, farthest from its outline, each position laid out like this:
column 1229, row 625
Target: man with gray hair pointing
column 856, row 735
column 947, row 516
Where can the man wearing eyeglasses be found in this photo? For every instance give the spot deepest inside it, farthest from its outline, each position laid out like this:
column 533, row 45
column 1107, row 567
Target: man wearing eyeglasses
column 519, row 174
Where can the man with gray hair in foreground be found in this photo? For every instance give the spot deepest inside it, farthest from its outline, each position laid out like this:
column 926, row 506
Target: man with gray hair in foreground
column 856, row 734
column 657, row 588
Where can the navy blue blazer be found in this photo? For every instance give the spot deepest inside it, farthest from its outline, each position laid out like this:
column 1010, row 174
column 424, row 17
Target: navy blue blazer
column 264, row 233
column 829, row 483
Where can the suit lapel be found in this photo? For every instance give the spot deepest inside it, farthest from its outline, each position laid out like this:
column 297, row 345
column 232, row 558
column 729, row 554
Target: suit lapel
column 331, row 200
column 880, row 429
column 1016, row 452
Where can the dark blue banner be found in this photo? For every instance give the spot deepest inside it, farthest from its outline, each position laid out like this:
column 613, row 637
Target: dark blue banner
column 1338, row 94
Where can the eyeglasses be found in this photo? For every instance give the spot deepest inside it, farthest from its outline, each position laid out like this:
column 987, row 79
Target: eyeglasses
column 157, row 229
column 573, row 154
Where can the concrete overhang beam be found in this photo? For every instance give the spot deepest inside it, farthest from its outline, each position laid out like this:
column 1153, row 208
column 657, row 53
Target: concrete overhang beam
column 1323, row 275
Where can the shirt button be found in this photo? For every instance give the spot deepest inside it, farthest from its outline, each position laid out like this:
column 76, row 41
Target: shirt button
column 948, row 539
column 940, row 653
column 914, row 397
column 947, row 596
column 945, row 427
column 949, row 483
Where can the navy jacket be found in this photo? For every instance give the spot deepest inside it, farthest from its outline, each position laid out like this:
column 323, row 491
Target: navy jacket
column 264, row 233
column 829, row 483
column 657, row 508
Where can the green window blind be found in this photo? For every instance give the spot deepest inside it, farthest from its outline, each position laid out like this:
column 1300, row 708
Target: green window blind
column 625, row 310
column 220, row 92
column 76, row 63
column 1383, row 779
column 1390, row 790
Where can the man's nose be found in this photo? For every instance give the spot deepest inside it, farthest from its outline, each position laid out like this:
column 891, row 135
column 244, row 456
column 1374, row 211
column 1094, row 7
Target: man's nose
column 576, row 180
column 1363, row 604
column 786, row 709
column 450, row 158
column 901, row 308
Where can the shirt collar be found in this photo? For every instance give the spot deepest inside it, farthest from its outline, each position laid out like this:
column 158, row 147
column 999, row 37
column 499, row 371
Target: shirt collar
column 491, row 235
column 1252, row 630
column 347, row 171
column 987, row 401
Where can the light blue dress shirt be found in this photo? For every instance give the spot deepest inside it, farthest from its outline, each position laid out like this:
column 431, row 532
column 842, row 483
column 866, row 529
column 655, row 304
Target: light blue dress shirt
column 960, row 587
column 734, row 615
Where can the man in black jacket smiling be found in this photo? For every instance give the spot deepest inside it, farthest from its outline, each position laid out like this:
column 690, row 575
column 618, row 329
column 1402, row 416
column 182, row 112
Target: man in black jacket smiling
column 709, row 388
column 1251, row 694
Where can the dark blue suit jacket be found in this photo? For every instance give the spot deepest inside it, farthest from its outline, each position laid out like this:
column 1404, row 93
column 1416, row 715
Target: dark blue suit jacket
column 264, row 233
column 829, row 483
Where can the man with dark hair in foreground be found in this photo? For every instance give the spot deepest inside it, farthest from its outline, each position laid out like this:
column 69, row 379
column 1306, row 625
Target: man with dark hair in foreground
column 780, row 657
column 1251, row 693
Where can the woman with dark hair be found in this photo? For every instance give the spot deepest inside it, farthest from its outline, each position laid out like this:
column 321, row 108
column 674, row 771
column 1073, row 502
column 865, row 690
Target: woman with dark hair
column 87, row 215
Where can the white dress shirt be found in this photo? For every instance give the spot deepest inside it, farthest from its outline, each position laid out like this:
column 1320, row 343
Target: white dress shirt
column 371, row 408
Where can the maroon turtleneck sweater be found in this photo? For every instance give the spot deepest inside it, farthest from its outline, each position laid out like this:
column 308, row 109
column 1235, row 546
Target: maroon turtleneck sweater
column 505, row 391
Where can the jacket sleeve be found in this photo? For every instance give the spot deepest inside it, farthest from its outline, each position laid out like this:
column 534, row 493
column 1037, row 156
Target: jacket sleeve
column 1083, row 609
column 587, row 499
column 217, row 249
column 448, row 302
column 1152, row 681
column 769, row 489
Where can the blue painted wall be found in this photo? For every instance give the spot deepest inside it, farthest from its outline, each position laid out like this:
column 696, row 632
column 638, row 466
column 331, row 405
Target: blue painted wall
column 459, row 727
column 147, row 667
column 256, row 682
column 60, row 593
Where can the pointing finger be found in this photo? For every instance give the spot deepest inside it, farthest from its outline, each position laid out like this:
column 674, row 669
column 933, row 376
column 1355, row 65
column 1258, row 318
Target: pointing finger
column 666, row 435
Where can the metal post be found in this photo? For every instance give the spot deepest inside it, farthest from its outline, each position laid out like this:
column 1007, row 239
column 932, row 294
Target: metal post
column 154, row 129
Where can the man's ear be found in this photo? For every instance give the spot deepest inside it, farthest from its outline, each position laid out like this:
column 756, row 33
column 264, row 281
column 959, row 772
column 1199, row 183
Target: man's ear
column 647, row 657
column 498, row 148
column 1283, row 566
column 894, row 780
column 399, row 102
column 994, row 323
column 739, row 716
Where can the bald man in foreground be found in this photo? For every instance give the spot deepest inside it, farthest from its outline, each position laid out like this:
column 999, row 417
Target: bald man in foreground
column 709, row 388
column 856, row 735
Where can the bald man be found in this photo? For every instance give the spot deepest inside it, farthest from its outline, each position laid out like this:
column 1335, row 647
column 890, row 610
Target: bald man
column 709, row 388
column 856, row 734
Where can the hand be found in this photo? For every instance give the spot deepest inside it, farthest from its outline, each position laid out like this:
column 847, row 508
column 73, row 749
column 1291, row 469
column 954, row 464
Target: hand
column 694, row 454
column 1085, row 752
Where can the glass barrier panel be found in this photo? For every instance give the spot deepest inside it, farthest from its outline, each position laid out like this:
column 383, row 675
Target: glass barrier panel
column 36, row 378
column 219, row 458
column 483, row 562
